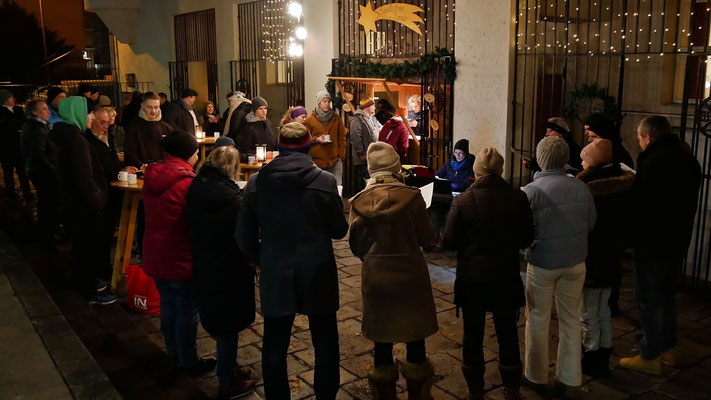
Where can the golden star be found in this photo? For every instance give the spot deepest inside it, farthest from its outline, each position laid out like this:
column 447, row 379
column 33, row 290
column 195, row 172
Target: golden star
column 368, row 17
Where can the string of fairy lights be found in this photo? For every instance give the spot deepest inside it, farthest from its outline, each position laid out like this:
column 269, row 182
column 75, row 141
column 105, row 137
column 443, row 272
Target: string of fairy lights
column 598, row 28
column 376, row 45
column 283, row 34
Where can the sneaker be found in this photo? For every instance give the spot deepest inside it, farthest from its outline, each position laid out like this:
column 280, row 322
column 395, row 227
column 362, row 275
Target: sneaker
column 238, row 389
column 203, row 366
column 101, row 285
column 669, row 357
column 102, row 299
column 639, row 364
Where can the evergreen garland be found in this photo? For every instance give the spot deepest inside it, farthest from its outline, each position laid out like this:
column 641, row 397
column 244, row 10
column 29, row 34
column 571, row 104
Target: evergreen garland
column 400, row 72
column 591, row 92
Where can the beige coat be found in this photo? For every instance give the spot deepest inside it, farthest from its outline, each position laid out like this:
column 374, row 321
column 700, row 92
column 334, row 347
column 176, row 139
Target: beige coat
column 388, row 224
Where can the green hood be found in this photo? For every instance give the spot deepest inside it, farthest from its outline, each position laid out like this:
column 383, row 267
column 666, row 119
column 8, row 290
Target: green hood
column 73, row 111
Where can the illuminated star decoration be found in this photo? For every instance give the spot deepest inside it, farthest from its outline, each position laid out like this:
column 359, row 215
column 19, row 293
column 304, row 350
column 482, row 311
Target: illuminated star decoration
column 405, row 14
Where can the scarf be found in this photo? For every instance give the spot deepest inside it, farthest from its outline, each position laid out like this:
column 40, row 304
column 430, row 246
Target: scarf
column 324, row 117
column 235, row 101
column 456, row 165
column 104, row 138
column 40, row 120
column 142, row 114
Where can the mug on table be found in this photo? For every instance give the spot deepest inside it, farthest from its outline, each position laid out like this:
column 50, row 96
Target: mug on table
column 123, row 176
column 132, row 179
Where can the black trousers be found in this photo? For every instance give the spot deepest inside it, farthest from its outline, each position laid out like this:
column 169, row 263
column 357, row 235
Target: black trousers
column 506, row 335
column 383, row 353
column 47, row 201
column 10, row 164
column 90, row 250
column 277, row 336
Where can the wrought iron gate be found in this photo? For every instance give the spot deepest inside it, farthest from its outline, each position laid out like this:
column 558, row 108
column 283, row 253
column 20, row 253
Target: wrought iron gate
column 625, row 58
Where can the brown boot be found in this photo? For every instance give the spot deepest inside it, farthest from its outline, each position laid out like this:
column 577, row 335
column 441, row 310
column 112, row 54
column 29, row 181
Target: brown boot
column 419, row 379
column 511, row 377
column 475, row 381
column 382, row 382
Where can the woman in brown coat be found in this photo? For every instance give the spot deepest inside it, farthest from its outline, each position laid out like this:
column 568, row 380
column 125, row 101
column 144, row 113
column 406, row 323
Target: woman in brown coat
column 328, row 148
column 388, row 225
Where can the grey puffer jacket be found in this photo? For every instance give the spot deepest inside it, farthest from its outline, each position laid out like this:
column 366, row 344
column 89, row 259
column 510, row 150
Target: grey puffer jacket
column 362, row 135
column 563, row 215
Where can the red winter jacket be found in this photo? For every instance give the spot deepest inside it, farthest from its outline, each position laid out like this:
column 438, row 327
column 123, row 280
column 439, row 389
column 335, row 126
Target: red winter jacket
column 395, row 133
column 166, row 247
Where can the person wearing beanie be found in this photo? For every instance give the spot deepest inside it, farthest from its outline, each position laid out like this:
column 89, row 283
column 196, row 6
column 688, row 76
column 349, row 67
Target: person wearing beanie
column 459, row 171
column 179, row 113
column 235, row 115
column 364, row 129
column 487, row 225
column 395, row 133
column 558, row 127
column 256, row 130
column 597, row 126
column 142, row 141
column 223, row 141
column 388, row 225
column 166, row 253
column 611, row 189
column 292, row 213
column 294, row 114
column 565, row 213
column 90, row 93
column 12, row 117
column 84, row 198
column 328, row 135
column 104, row 100
column 54, row 96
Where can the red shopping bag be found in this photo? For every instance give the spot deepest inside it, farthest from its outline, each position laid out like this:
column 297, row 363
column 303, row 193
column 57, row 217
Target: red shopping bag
column 142, row 293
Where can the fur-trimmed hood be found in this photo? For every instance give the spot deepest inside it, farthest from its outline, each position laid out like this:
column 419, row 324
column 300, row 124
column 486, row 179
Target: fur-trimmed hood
column 615, row 184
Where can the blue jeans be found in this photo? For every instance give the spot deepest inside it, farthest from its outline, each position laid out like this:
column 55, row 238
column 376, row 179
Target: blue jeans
column 226, row 360
column 179, row 320
column 656, row 278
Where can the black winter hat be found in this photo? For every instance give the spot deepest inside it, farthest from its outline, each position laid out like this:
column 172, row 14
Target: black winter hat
column 463, row 145
column 180, row 144
column 187, row 92
column 53, row 92
column 602, row 126
column 83, row 88
column 258, row 102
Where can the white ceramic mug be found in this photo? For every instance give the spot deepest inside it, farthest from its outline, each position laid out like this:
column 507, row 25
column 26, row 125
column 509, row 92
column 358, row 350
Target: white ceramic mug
column 327, row 138
column 123, row 176
column 251, row 160
column 216, row 134
column 132, row 179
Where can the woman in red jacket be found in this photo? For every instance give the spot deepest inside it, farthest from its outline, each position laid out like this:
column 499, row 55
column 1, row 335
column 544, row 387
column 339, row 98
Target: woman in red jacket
column 166, row 249
column 395, row 133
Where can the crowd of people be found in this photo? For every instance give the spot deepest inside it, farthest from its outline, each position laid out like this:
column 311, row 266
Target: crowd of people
column 203, row 239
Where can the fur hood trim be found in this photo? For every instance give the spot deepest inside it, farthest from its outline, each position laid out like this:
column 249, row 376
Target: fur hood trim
column 601, row 187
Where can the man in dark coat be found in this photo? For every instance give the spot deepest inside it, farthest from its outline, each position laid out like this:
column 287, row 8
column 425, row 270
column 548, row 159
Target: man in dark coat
column 180, row 114
column 84, row 196
column 665, row 196
column 257, row 129
column 293, row 212
column 559, row 127
column 597, row 126
column 11, row 120
column 487, row 226
column 129, row 113
column 39, row 151
column 234, row 119
column 142, row 142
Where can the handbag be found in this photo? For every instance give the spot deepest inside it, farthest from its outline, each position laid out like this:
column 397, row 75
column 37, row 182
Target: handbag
column 142, row 293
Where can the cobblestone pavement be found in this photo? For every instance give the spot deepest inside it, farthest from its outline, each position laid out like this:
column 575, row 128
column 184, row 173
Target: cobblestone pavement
column 689, row 380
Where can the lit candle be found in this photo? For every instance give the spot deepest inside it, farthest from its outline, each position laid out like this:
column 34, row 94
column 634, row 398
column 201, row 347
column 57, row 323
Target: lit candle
column 261, row 152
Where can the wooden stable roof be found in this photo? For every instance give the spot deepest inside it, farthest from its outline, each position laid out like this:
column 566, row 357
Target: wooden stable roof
column 371, row 81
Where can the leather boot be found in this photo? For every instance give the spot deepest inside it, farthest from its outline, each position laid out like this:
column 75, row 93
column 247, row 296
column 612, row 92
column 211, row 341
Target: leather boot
column 475, row 381
column 419, row 379
column 603, row 362
column 511, row 378
column 382, row 382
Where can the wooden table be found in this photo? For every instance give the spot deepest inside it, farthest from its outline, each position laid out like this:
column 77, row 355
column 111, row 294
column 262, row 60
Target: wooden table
column 249, row 169
column 204, row 143
column 132, row 194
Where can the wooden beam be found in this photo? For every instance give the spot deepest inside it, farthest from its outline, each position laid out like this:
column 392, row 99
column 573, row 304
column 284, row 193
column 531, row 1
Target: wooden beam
column 340, row 87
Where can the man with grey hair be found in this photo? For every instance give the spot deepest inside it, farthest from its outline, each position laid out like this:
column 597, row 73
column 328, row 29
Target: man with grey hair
column 11, row 119
column 563, row 213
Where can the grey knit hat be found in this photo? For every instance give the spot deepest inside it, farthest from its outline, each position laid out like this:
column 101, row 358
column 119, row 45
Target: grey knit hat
column 4, row 96
column 322, row 95
column 258, row 102
column 552, row 153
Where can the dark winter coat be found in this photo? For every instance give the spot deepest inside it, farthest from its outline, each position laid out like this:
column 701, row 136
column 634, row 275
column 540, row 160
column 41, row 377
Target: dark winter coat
column 130, row 112
column 487, row 225
column 460, row 178
column 177, row 114
column 255, row 132
column 106, row 154
column 10, row 131
column 395, row 133
column 81, row 177
column 142, row 142
column 612, row 190
column 166, row 248
column 420, row 130
column 389, row 223
column 237, row 122
column 665, row 197
column 38, row 149
column 222, row 277
column 294, row 208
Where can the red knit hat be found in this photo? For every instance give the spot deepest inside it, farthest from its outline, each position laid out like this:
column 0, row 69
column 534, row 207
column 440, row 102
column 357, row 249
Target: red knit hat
column 294, row 136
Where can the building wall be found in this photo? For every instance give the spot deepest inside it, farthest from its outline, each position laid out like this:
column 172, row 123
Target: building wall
column 321, row 46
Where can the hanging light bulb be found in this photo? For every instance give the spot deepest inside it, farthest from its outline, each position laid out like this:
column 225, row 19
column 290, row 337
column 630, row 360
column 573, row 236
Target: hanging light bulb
column 295, row 10
column 300, row 32
column 296, row 50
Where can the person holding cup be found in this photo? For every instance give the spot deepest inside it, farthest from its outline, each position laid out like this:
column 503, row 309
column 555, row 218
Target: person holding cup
column 328, row 149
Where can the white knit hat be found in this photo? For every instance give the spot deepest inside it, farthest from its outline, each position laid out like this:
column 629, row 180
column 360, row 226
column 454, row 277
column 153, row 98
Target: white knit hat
column 552, row 153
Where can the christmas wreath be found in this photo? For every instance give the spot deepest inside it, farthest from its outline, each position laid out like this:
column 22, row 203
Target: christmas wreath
column 589, row 99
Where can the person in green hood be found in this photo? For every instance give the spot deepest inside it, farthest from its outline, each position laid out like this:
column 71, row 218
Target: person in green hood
column 84, row 196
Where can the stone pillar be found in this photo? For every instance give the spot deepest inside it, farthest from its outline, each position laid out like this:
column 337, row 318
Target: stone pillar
column 320, row 46
column 484, row 48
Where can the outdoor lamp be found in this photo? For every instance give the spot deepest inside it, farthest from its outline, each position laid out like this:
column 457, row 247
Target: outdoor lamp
column 300, row 33
column 295, row 10
column 261, row 152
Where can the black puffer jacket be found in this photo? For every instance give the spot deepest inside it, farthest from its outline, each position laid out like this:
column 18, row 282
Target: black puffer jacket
column 223, row 279
column 612, row 190
column 294, row 208
column 487, row 225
